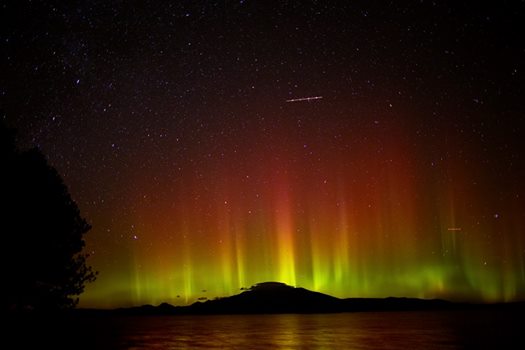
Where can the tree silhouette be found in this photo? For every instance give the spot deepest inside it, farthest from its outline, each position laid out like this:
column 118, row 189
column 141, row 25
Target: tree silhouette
column 42, row 233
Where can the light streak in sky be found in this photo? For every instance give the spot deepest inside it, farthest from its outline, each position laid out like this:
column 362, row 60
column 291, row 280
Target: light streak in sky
column 305, row 99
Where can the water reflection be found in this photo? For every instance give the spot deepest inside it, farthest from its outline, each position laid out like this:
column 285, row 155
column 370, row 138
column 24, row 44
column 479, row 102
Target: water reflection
column 331, row 331
column 473, row 329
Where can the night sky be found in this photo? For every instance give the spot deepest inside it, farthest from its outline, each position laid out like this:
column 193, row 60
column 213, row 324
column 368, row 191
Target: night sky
column 170, row 123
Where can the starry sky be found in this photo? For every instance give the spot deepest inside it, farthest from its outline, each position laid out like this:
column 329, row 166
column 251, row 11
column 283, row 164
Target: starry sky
column 170, row 123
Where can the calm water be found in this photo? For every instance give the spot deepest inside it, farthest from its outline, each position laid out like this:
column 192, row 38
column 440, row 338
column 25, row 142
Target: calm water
column 474, row 329
column 384, row 330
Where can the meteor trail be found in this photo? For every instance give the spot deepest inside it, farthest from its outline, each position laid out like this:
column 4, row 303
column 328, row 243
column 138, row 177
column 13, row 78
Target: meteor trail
column 305, row 99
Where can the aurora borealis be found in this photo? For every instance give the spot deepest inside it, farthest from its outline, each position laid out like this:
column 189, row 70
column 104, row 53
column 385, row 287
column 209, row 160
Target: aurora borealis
column 171, row 127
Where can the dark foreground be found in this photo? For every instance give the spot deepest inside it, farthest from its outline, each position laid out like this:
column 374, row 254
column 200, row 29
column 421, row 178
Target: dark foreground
column 484, row 328
column 276, row 316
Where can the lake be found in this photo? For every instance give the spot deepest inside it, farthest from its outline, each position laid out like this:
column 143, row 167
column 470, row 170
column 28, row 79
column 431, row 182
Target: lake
column 367, row 330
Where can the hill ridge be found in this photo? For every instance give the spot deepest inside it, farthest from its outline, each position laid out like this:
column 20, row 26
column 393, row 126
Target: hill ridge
column 278, row 297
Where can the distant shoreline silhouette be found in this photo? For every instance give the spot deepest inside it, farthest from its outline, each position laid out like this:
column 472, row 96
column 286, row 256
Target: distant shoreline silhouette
column 279, row 298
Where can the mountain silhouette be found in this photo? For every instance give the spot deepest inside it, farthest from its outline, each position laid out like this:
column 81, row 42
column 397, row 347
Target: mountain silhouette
column 276, row 297
column 270, row 297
